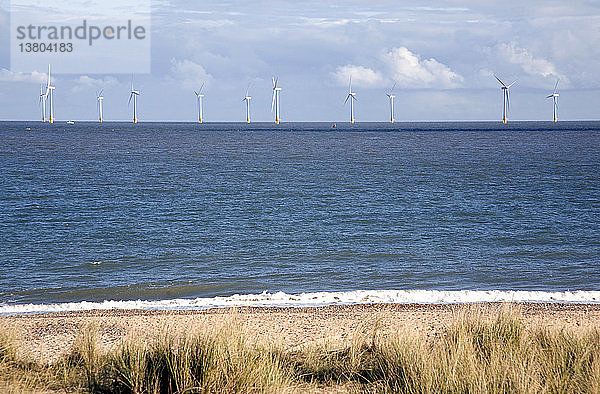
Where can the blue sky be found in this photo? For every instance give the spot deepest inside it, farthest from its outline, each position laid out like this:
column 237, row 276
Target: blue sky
column 441, row 56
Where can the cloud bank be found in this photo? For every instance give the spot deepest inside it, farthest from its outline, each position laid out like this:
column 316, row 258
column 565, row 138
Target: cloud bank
column 188, row 74
column 405, row 68
column 11, row 76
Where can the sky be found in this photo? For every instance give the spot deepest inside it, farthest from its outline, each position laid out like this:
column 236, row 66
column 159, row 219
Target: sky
column 441, row 57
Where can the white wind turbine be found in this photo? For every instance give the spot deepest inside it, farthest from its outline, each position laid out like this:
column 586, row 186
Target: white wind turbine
column 247, row 100
column 275, row 101
column 506, row 97
column 100, row 100
column 199, row 97
column 134, row 94
column 554, row 96
column 43, row 103
column 49, row 95
column 391, row 97
column 352, row 96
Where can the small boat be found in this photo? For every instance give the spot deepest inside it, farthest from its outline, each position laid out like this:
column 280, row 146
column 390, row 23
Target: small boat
column 70, row 122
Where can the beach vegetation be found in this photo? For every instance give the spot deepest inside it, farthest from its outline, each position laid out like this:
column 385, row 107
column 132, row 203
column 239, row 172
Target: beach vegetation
column 480, row 352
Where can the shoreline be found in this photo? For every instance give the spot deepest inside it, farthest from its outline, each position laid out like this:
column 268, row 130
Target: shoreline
column 526, row 306
column 50, row 336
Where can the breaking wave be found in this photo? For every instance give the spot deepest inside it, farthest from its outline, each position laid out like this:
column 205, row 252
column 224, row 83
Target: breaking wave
column 280, row 299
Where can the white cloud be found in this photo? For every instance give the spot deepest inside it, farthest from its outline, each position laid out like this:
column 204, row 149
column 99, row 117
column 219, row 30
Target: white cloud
column 11, row 76
column 209, row 24
column 404, row 67
column 188, row 74
column 531, row 65
column 101, row 82
column 84, row 82
column 361, row 76
column 409, row 70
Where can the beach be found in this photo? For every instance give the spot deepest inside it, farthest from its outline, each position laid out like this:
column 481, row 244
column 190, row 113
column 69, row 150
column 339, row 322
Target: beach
column 47, row 337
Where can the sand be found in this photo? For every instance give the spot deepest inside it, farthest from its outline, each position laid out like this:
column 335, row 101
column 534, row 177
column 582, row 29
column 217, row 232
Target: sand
column 46, row 337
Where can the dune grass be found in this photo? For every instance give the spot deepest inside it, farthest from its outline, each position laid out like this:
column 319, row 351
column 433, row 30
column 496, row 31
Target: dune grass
column 481, row 352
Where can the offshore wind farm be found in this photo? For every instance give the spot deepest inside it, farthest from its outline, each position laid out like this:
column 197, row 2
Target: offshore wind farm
column 48, row 94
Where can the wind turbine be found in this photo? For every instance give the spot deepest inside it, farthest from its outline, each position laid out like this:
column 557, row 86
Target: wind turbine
column 199, row 96
column 43, row 103
column 391, row 97
column 247, row 100
column 50, row 94
column 275, row 101
column 554, row 96
column 100, row 99
column 352, row 96
column 506, row 97
column 134, row 94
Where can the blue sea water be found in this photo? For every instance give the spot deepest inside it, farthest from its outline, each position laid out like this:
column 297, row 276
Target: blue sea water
column 158, row 211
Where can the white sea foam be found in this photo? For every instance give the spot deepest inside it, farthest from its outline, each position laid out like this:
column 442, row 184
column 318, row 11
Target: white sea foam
column 281, row 299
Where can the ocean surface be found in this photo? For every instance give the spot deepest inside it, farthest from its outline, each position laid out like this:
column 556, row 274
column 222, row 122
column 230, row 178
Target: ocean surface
column 179, row 216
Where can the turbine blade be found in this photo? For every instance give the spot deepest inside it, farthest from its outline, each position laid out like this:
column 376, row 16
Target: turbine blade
column 130, row 96
column 273, row 101
column 508, row 101
column 196, row 93
column 273, row 79
column 550, row 96
column 391, row 91
column 201, row 87
column 347, row 97
column 511, row 84
column 355, row 99
column 556, row 85
column 502, row 83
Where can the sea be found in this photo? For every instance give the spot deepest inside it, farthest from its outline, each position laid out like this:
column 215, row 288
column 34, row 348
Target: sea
column 193, row 216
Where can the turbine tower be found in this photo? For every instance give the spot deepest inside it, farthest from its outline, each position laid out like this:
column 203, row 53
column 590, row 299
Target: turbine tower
column 247, row 100
column 554, row 96
column 50, row 94
column 43, row 103
column 100, row 100
column 199, row 97
column 134, row 94
column 391, row 97
column 275, row 101
column 506, row 97
column 352, row 96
